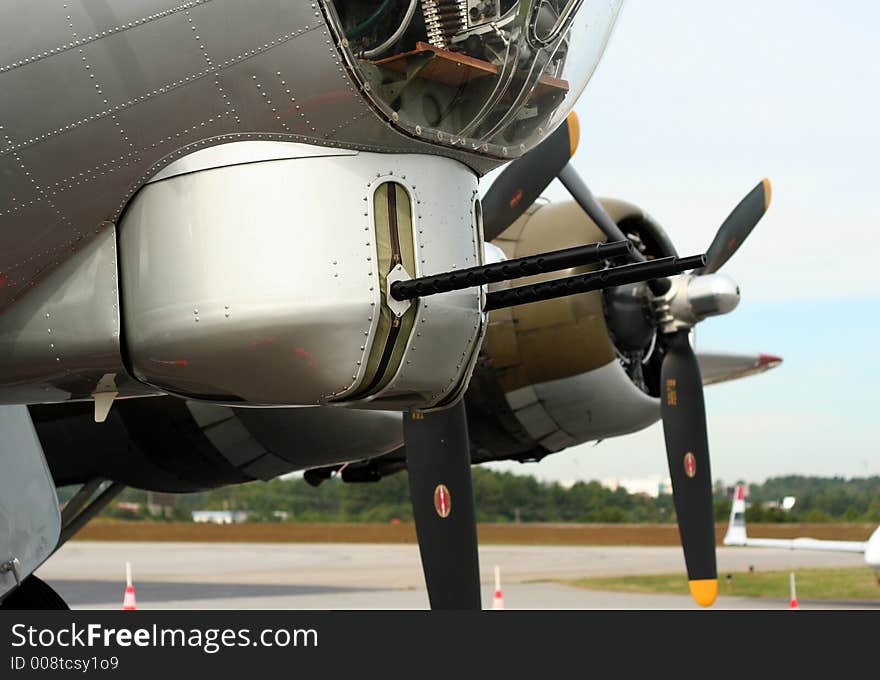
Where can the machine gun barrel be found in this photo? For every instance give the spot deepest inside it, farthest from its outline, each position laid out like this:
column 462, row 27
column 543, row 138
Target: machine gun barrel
column 553, row 261
column 605, row 278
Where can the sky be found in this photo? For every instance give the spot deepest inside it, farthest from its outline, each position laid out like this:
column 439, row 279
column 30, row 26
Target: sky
column 692, row 105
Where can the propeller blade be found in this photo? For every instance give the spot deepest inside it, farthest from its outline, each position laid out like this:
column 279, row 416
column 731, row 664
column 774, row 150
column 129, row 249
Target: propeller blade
column 581, row 193
column 439, row 463
column 687, row 450
column 738, row 226
column 523, row 180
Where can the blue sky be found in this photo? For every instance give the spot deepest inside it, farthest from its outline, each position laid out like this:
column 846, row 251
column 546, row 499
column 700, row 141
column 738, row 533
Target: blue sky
column 691, row 106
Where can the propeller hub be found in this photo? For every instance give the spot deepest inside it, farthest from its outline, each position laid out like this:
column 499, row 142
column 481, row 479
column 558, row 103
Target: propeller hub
column 694, row 298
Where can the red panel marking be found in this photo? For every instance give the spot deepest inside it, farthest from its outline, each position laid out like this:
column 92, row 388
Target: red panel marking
column 690, row 465
column 442, row 501
column 516, row 198
column 171, row 362
column 308, row 358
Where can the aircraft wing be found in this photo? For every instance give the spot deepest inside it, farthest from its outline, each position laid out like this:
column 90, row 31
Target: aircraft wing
column 806, row 544
column 717, row 367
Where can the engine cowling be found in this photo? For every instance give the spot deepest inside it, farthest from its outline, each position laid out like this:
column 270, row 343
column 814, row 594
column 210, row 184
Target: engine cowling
column 567, row 371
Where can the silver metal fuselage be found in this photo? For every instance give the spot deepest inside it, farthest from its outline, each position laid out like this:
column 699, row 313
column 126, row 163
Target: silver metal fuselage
column 154, row 144
column 97, row 100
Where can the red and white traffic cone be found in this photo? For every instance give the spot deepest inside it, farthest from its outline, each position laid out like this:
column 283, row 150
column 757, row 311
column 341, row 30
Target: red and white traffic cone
column 793, row 603
column 128, row 601
column 498, row 600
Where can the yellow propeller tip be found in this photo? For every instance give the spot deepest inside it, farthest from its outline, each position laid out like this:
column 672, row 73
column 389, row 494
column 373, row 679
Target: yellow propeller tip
column 574, row 132
column 768, row 190
column 704, row 591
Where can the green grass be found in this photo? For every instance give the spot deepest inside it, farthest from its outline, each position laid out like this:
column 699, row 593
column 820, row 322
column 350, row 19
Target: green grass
column 855, row 583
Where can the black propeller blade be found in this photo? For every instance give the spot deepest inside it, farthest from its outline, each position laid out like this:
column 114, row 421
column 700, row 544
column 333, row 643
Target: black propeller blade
column 682, row 404
column 523, row 180
column 684, row 415
column 439, row 463
column 687, row 450
column 737, row 227
column 582, row 195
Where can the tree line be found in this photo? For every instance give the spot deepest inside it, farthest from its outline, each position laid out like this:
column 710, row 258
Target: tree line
column 818, row 499
column 508, row 497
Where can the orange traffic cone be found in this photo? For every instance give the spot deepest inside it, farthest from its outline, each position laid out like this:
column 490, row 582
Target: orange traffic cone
column 498, row 600
column 128, row 600
column 793, row 603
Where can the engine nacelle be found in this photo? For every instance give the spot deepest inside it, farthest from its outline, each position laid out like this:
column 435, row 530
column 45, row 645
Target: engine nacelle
column 550, row 376
column 168, row 444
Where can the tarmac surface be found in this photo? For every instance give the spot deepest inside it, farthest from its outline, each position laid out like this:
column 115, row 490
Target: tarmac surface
column 90, row 575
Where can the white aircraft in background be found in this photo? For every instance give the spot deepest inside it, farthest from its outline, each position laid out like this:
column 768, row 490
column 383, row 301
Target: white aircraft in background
column 736, row 536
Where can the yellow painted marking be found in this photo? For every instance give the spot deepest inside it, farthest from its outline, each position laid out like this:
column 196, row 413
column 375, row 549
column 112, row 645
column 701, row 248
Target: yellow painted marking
column 671, row 393
column 574, row 132
column 704, row 591
column 767, row 192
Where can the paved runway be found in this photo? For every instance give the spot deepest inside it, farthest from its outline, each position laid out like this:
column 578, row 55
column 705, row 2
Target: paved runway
column 356, row 576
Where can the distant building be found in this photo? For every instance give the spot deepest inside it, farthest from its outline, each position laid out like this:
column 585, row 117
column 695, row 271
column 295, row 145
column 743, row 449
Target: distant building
column 219, row 516
column 653, row 487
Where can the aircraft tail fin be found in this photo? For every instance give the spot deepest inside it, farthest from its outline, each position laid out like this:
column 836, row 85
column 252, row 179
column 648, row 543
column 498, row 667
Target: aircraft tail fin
column 736, row 528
